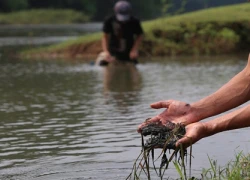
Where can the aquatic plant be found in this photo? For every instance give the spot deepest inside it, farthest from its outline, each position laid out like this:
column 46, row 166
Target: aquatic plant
column 163, row 137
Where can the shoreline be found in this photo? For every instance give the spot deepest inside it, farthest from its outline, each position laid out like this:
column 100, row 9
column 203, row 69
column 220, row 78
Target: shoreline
column 191, row 34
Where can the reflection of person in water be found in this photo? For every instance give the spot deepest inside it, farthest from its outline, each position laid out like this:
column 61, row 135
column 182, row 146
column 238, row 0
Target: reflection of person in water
column 121, row 78
column 122, row 34
column 122, row 83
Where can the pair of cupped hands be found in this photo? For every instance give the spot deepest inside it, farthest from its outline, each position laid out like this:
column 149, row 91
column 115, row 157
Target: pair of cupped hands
column 179, row 112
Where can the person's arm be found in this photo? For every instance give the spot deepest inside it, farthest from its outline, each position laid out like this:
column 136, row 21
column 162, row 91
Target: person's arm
column 134, row 51
column 230, row 95
column 139, row 36
column 234, row 120
column 107, row 28
column 105, row 40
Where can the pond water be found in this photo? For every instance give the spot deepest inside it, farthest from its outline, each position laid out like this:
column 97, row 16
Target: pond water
column 62, row 120
column 40, row 34
column 49, row 29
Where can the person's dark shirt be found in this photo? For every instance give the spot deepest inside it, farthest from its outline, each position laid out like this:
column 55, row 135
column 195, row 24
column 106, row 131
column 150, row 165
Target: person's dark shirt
column 122, row 35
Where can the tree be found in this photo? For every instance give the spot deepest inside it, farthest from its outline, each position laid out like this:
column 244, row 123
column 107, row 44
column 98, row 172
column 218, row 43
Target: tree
column 13, row 5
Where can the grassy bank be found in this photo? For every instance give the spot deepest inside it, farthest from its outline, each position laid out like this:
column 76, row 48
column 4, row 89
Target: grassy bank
column 43, row 16
column 236, row 169
column 211, row 31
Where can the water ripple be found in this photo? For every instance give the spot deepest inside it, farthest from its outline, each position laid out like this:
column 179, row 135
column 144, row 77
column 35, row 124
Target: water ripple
column 66, row 121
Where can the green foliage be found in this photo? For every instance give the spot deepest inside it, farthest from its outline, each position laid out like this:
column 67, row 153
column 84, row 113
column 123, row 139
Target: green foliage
column 237, row 169
column 227, row 39
column 197, row 33
column 201, row 32
column 178, row 169
column 147, row 10
column 13, row 5
column 98, row 9
column 43, row 16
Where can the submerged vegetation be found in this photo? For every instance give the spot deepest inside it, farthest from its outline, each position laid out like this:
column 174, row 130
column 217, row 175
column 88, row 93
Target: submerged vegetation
column 211, row 31
column 43, row 16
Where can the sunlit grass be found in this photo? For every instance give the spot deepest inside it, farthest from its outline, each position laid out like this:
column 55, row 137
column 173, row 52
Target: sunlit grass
column 223, row 14
column 237, row 169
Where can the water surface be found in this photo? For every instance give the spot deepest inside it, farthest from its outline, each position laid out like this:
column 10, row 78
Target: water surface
column 61, row 120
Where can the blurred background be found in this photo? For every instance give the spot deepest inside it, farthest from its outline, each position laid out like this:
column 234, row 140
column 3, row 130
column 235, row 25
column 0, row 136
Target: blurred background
column 96, row 10
column 61, row 117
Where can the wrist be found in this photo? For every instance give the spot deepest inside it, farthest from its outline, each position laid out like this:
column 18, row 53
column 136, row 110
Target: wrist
column 193, row 115
column 198, row 112
column 209, row 128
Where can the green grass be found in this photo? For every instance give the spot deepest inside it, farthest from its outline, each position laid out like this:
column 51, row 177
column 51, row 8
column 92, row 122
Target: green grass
column 237, row 169
column 232, row 13
column 43, row 16
column 220, row 30
column 81, row 40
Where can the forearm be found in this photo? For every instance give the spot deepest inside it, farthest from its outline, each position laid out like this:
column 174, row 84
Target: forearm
column 234, row 120
column 105, row 42
column 137, row 43
column 232, row 94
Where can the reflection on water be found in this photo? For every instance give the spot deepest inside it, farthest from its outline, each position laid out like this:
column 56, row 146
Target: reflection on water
column 121, row 81
column 121, row 78
column 75, row 121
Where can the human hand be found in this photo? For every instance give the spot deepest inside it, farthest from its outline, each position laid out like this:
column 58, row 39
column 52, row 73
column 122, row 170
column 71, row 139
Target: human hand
column 133, row 54
column 109, row 57
column 194, row 132
column 176, row 112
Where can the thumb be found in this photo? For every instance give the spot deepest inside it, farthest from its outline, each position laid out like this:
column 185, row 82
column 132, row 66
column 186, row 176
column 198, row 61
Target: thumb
column 161, row 104
column 185, row 142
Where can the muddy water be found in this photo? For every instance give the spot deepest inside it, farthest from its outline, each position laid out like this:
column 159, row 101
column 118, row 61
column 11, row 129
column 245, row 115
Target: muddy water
column 62, row 120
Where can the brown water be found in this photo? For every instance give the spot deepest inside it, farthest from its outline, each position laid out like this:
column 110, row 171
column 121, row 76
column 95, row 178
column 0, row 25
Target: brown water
column 61, row 120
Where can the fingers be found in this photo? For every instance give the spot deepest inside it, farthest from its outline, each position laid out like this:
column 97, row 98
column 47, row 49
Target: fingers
column 161, row 104
column 185, row 142
column 154, row 119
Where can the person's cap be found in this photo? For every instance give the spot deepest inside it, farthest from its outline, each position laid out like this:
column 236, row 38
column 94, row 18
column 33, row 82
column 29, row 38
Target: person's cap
column 122, row 10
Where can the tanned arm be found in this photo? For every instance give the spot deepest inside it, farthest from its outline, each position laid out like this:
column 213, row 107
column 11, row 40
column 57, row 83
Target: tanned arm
column 234, row 120
column 105, row 40
column 134, row 51
column 230, row 95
